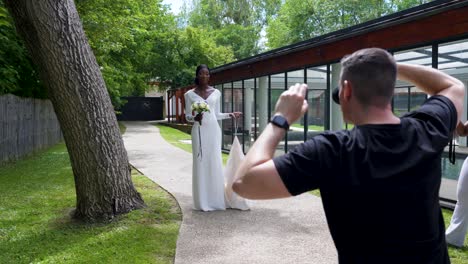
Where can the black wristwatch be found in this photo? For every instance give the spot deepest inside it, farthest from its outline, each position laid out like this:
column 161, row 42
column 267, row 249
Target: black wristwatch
column 280, row 121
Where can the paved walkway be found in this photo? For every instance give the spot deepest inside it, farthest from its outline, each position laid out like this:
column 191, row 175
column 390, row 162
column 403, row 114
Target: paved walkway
column 292, row 230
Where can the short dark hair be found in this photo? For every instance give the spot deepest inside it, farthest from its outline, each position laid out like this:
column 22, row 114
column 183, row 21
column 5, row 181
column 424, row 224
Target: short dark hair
column 199, row 68
column 372, row 72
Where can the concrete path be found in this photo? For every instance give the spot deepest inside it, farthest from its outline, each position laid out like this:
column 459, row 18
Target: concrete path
column 292, row 230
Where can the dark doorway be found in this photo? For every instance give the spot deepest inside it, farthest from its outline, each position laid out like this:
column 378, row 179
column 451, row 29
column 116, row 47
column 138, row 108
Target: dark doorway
column 142, row 108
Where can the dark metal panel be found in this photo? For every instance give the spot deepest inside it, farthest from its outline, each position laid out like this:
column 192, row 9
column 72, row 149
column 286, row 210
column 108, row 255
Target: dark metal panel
column 306, row 115
column 285, row 136
column 255, row 109
column 142, row 108
column 243, row 118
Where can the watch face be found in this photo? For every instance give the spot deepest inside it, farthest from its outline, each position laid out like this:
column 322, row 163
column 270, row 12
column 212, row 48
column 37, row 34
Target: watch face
column 280, row 121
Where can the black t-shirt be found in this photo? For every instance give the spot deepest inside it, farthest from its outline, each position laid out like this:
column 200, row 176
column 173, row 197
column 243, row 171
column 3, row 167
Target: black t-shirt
column 379, row 185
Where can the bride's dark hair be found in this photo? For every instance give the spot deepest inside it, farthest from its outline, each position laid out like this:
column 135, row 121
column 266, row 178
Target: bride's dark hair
column 199, row 68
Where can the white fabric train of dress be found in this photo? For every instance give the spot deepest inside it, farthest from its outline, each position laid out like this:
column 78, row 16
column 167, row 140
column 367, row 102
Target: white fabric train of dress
column 235, row 157
column 456, row 232
column 208, row 182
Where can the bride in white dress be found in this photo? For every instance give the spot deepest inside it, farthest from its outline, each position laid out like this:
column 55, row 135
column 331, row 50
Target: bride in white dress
column 207, row 174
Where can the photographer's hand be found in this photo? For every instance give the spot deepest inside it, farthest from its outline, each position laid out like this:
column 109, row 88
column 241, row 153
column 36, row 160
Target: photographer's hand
column 292, row 104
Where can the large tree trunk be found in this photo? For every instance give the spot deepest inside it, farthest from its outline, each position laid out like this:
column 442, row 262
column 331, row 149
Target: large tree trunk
column 55, row 38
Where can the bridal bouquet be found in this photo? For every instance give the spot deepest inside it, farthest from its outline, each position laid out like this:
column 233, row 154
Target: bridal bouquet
column 200, row 107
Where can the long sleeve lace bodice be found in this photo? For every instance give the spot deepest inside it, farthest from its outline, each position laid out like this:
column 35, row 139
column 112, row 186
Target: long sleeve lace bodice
column 213, row 100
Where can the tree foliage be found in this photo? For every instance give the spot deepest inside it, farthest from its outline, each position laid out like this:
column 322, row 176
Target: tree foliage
column 191, row 49
column 134, row 42
column 122, row 34
column 139, row 41
column 17, row 73
column 233, row 23
column 299, row 20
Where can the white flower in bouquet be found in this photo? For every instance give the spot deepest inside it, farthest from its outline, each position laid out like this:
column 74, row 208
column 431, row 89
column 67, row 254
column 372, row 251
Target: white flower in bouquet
column 200, row 107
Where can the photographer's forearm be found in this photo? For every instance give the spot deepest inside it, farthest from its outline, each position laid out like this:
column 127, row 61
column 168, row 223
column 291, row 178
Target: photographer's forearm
column 434, row 82
column 429, row 80
column 262, row 150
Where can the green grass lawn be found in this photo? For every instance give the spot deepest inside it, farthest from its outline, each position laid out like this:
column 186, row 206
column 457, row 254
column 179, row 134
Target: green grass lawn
column 37, row 196
column 457, row 255
column 177, row 137
column 122, row 127
column 173, row 136
column 310, row 127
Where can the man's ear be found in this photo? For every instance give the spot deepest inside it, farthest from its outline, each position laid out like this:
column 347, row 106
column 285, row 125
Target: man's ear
column 347, row 90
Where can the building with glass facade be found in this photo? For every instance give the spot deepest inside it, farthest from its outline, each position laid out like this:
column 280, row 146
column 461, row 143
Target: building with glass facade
column 433, row 34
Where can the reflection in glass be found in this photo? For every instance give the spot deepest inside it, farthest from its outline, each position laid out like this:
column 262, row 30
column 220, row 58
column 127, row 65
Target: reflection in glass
column 226, row 124
column 400, row 101
column 453, row 60
column 316, row 98
column 295, row 77
column 261, row 104
column 237, row 107
column 277, row 86
column 408, row 97
column 417, row 98
column 249, row 113
column 419, row 56
column 295, row 134
column 453, row 56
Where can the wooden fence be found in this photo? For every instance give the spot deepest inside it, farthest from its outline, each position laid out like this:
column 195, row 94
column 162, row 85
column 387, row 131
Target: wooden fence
column 26, row 125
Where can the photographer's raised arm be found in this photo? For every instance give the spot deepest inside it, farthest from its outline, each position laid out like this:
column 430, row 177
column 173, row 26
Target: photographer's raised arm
column 257, row 174
column 434, row 82
column 462, row 129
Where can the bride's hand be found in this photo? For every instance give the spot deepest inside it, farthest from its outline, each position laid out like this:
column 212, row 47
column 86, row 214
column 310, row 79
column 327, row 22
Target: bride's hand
column 199, row 117
column 235, row 114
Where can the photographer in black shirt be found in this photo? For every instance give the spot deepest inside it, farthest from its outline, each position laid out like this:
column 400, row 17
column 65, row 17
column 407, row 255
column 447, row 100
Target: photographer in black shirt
column 380, row 181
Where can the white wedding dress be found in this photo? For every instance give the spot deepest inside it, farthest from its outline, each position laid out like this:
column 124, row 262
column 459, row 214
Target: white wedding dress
column 456, row 232
column 207, row 173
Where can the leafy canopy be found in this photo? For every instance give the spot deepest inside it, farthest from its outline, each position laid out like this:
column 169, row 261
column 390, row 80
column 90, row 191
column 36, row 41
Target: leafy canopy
column 17, row 72
column 298, row 20
column 137, row 42
column 237, row 24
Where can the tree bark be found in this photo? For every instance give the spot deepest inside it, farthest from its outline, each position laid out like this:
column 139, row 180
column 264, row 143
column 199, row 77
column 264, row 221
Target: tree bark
column 55, row 38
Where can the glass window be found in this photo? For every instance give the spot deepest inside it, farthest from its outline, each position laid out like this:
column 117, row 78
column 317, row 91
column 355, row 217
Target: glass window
column 453, row 60
column 261, row 105
column 238, row 102
column 226, row 124
column 417, row 98
column 277, row 86
column 249, row 113
column 295, row 77
column 400, row 100
column 408, row 97
column 453, row 56
column 316, row 98
column 295, row 134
